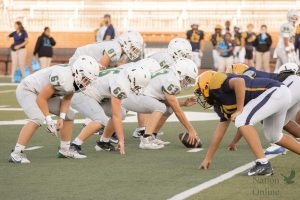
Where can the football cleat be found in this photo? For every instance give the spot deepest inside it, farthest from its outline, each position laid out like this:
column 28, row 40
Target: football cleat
column 260, row 169
column 77, row 148
column 138, row 132
column 150, row 143
column 114, row 139
column 106, row 146
column 275, row 149
column 158, row 141
column 69, row 153
column 19, row 158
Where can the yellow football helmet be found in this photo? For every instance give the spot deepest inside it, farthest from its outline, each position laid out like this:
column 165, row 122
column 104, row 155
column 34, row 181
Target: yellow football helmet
column 237, row 68
column 201, row 88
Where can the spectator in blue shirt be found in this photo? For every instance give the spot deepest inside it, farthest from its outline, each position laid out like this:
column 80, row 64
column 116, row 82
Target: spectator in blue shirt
column 43, row 48
column 18, row 50
column 225, row 49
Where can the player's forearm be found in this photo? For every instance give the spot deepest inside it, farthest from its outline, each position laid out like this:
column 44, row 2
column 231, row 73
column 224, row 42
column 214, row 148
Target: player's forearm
column 216, row 140
column 237, row 137
column 238, row 85
column 43, row 105
column 183, row 119
column 117, row 118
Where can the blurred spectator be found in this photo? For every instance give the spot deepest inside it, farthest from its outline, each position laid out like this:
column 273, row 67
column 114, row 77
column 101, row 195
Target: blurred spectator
column 262, row 45
column 216, row 38
column 248, row 38
column 106, row 30
column 196, row 37
column 18, row 50
column 227, row 27
column 238, row 51
column 297, row 41
column 225, row 49
column 43, row 48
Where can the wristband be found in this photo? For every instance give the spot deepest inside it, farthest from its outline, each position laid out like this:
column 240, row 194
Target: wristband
column 62, row 115
column 48, row 118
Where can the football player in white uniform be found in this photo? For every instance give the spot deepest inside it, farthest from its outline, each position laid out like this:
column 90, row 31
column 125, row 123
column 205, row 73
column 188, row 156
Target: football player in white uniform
column 49, row 91
column 285, row 50
column 102, row 103
column 159, row 100
column 110, row 53
column 177, row 48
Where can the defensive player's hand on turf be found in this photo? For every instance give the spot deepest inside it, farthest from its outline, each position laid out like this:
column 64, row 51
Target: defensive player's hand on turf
column 121, row 147
column 190, row 101
column 51, row 126
column 232, row 147
column 235, row 114
column 205, row 164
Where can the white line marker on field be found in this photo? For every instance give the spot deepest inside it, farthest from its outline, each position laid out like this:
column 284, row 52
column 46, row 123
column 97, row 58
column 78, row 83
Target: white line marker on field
column 33, row 148
column 7, row 91
column 194, row 150
column 215, row 181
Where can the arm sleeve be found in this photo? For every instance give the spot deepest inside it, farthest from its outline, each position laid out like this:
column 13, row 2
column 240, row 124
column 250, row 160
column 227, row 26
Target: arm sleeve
column 52, row 41
column 188, row 35
column 11, row 34
column 37, row 46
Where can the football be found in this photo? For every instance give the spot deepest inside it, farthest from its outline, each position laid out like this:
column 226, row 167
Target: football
column 183, row 137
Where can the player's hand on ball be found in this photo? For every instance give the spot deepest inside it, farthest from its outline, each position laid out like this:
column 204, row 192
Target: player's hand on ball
column 51, row 126
column 232, row 147
column 193, row 137
column 205, row 164
column 121, row 147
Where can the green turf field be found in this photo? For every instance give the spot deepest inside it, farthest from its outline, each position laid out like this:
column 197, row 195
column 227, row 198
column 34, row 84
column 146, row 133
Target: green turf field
column 140, row 174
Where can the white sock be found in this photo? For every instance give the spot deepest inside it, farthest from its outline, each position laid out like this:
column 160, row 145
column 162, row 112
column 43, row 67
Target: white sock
column 78, row 141
column 19, row 148
column 140, row 128
column 103, row 139
column 65, row 144
column 262, row 160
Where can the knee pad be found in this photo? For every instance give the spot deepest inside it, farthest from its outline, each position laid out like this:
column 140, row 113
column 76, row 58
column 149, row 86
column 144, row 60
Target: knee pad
column 39, row 122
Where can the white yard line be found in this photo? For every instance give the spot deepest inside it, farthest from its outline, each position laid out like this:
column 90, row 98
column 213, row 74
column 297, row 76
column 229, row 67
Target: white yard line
column 9, row 84
column 6, row 91
column 215, row 181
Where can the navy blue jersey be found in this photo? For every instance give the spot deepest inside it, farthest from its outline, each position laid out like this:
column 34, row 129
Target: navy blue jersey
column 260, row 74
column 224, row 96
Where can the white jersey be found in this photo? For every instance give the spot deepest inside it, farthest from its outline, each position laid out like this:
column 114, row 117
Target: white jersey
column 97, row 50
column 287, row 30
column 60, row 76
column 164, row 59
column 111, row 82
column 163, row 81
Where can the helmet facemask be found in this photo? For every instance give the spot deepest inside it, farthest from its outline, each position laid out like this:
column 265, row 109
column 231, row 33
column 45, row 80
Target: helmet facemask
column 205, row 102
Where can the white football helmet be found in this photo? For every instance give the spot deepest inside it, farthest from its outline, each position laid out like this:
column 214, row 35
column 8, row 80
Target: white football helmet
column 288, row 67
column 292, row 16
column 187, row 71
column 132, row 44
column 148, row 63
column 85, row 70
column 180, row 48
column 139, row 77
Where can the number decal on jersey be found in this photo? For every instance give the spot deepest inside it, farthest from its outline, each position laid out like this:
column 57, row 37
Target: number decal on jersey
column 159, row 72
column 108, row 71
column 172, row 89
column 54, row 80
column 118, row 93
column 111, row 53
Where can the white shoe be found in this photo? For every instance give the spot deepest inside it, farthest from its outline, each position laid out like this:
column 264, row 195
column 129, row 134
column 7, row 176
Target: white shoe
column 69, row 153
column 18, row 158
column 138, row 132
column 158, row 141
column 149, row 143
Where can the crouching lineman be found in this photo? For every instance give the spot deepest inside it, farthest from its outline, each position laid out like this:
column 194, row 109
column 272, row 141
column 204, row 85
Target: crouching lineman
column 286, row 75
column 159, row 99
column 246, row 101
column 102, row 103
column 110, row 53
column 40, row 95
column 177, row 48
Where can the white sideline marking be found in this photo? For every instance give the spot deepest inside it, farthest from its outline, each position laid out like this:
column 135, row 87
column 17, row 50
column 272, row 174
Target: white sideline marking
column 9, row 84
column 11, row 109
column 6, row 91
column 215, row 181
column 33, row 148
column 194, row 150
column 3, row 106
